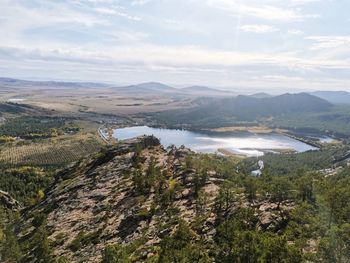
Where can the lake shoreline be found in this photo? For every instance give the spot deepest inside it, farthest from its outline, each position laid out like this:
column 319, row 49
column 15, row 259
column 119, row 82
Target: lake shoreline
column 311, row 140
column 238, row 142
column 263, row 130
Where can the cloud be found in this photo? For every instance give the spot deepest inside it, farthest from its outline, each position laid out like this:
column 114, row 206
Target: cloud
column 280, row 78
column 176, row 65
column 95, row 1
column 303, row 2
column 105, row 11
column 146, row 55
column 182, row 26
column 49, row 13
column 328, row 42
column 262, row 11
column 295, row 32
column 126, row 37
column 258, row 28
column 195, row 41
column 115, row 11
column 140, row 2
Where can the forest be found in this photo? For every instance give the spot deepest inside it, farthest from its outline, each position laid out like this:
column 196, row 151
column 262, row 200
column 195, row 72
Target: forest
column 309, row 212
column 297, row 113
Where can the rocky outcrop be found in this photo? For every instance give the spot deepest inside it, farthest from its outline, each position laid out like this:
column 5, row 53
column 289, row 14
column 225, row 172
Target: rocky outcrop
column 136, row 192
column 273, row 217
column 9, row 202
column 96, row 199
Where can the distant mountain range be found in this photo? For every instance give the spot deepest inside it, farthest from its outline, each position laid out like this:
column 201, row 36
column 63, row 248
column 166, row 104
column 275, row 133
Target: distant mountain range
column 142, row 89
column 261, row 95
column 335, row 97
column 206, row 91
column 18, row 83
column 149, row 88
column 156, row 89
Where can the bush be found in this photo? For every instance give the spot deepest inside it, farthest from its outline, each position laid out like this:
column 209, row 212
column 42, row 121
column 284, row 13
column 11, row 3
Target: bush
column 84, row 239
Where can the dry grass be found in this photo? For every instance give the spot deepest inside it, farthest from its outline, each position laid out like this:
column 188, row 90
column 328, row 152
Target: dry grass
column 99, row 100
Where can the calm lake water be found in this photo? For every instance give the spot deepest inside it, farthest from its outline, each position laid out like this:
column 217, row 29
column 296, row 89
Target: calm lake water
column 209, row 142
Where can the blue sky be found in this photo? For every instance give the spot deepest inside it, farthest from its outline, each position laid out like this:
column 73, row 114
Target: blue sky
column 265, row 45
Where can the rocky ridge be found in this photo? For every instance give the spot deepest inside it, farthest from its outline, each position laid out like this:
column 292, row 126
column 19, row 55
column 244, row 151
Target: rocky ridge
column 98, row 202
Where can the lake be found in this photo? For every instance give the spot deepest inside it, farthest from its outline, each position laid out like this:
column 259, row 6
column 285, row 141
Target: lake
column 243, row 143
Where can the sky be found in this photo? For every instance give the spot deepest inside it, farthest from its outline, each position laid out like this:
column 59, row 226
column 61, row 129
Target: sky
column 266, row 45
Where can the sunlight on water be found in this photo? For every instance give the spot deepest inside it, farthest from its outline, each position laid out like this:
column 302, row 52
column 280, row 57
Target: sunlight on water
column 241, row 143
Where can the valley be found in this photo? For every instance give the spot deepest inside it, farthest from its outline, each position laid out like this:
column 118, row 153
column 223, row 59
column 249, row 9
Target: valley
column 147, row 131
column 151, row 173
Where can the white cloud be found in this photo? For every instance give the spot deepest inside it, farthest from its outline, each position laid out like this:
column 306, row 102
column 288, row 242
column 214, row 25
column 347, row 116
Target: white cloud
column 258, row 28
column 295, row 32
column 140, row 2
column 116, row 11
column 328, row 42
column 126, row 36
column 280, row 78
column 303, row 2
column 95, row 1
column 182, row 26
column 48, row 13
column 144, row 55
column 175, row 65
column 106, row 11
column 200, row 42
column 262, row 11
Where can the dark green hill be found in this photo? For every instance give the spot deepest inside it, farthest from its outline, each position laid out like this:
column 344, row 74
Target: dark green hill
column 217, row 112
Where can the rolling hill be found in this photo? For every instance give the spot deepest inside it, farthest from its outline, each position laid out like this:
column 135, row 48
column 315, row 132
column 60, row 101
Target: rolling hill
column 148, row 88
column 156, row 89
column 335, row 97
column 206, row 91
column 261, row 95
column 217, row 112
column 19, row 83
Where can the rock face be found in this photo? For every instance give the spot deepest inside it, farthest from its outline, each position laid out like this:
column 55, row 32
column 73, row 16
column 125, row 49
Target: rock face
column 271, row 216
column 132, row 193
column 97, row 200
column 9, row 202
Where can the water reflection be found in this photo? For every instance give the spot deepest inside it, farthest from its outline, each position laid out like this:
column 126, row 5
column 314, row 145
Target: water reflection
column 208, row 142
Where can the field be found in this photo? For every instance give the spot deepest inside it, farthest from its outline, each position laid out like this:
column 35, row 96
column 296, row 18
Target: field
column 50, row 152
column 71, row 141
column 78, row 101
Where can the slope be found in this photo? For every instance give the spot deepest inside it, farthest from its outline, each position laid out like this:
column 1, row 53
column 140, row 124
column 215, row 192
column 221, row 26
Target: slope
column 221, row 112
